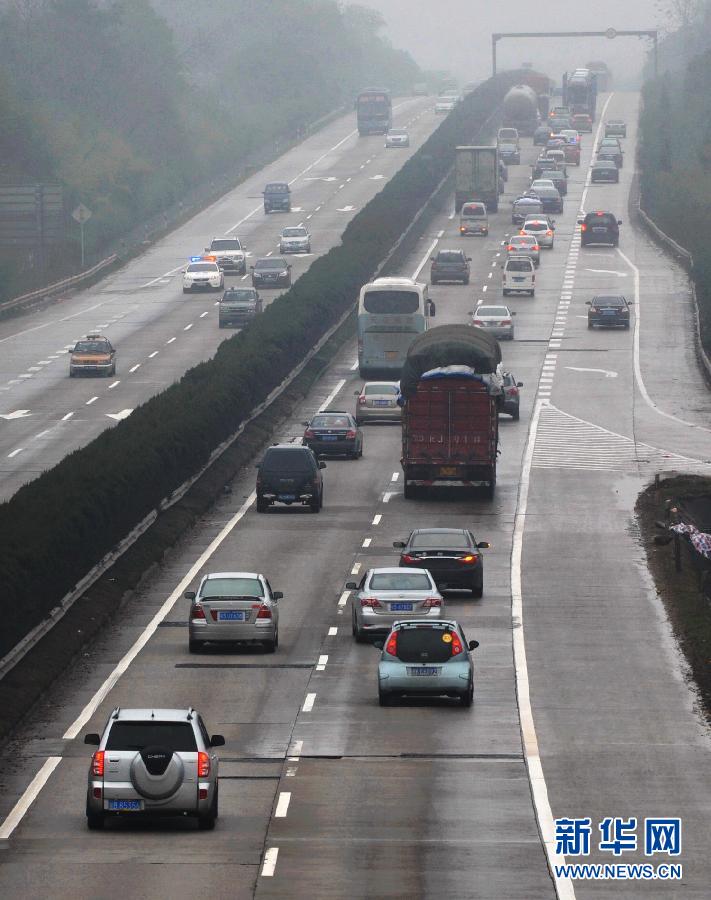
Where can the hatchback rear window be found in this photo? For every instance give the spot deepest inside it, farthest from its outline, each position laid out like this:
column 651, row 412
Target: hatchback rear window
column 449, row 256
column 519, row 265
column 232, row 587
column 381, row 389
column 287, row 461
column 127, row 735
column 399, row 581
column 424, row 645
column 600, row 219
column 448, row 540
column 331, row 422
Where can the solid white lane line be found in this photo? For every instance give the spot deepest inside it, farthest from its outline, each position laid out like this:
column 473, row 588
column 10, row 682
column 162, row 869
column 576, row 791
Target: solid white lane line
column 425, row 258
column 282, row 805
column 42, row 433
column 152, row 626
column 332, row 396
column 68, row 416
column 367, row 542
column 332, row 631
column 309, row 703
column 15, row 452
column 133, row 369
column 322, row 663
column 270, row 861
column 31, row 793
column 155, row 353
column 92, row 400
column 344, row 598
column 395, row 476
column 376, row 519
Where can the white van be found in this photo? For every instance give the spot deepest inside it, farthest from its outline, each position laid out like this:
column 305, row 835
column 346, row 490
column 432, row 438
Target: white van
column 519, row 274
column 507, row 136
column 473, row 219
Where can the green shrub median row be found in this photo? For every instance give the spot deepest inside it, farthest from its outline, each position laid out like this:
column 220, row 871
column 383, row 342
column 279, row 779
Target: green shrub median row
column 58, row 527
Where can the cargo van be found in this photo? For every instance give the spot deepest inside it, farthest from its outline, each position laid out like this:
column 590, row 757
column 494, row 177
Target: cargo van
column 519, row 274
column 473, row 219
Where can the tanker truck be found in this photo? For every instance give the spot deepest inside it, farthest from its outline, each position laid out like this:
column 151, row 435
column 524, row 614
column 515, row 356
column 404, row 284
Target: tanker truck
column 520, row 109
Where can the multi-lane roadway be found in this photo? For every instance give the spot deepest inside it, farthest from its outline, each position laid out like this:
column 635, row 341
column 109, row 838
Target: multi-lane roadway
column 581, row 706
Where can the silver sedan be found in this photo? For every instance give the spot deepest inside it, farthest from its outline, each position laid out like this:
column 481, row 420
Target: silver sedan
column 524, row 245
column 230, row 607
column 388, row 595
column 377, row 402
column 497, row 320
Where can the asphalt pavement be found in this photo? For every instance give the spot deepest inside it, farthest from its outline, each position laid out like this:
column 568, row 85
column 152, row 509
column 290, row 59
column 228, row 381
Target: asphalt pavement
column 581, row 705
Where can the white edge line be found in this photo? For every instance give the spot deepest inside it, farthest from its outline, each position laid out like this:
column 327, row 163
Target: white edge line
column 308, row 703
column 31, row 793
column 282, row 806
column 332, row 396
column 423, row 262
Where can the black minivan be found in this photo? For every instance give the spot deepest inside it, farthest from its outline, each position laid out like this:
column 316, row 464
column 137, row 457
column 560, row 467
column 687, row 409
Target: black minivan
column 600, row 228
column 290, row 474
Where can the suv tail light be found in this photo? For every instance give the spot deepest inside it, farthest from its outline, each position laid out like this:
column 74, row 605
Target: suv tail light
column 432, row 603
column 97, row 764
column 197, row 612
column 203, row 764
column 583, row 227
column 456, row 644
column 371, row 603
column 309, row 433
column 470, row 558
column 391, row 646
column 361, row 400
column 408, row 558
column 350, row 434
column 264, row 612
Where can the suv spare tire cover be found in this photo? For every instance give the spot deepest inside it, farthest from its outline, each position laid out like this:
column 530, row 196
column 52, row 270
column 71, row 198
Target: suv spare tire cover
column 157, row 772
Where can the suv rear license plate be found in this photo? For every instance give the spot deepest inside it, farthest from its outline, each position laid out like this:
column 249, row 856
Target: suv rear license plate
column 287, row 497
column 230, row 615
column 382, row 403
column 328, row 437
column 401, row 607
column 447, row 470
column 126, row 805
column 391, row 354
column 518, row 278
column 422, row 670
column 600, row 230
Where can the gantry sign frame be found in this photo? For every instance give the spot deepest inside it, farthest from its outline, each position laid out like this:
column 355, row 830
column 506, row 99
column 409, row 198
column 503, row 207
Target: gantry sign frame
column 609, row 33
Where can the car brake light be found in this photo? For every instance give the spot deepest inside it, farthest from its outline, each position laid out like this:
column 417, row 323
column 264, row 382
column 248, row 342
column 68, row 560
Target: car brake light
column 197, row 612
column 535, row 247
column 371, row 603
column 456, row 644
column 432, row 602
column 505, row 322
column 264, row 612
column 361, row 400
column 583, row 227
column 97, row 764
column 408, row 558
column 549, row 232
column 203, row 764
column 309, row 433
column 350, row 434
column 470, row 557
column 391, row 646
column 513, row 391
column 510, row 247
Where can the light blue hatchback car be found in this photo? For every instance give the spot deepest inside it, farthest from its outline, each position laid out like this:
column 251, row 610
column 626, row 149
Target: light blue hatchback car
column 425, row 658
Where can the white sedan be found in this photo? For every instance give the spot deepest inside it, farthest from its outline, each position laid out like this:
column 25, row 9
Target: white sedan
column 203, row 274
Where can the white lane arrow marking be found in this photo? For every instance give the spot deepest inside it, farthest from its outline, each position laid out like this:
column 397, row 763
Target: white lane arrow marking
column 17, row 414
column 124, row 414
column 606, row 372
column 346, row 209
column 608, row 272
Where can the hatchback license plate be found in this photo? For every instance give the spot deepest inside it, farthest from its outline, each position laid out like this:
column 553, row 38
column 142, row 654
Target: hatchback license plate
column 230, row 615
column 401, row 607
column 422, row 670
column 126, row 805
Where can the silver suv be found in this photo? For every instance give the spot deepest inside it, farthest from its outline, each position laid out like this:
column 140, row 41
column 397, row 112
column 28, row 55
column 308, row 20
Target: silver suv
column 153, row 762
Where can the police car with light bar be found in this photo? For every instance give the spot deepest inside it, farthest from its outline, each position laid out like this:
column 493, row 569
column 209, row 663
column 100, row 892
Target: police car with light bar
column 203, row 273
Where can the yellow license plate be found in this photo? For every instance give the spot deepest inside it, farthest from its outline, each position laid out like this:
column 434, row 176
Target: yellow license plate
column 448, row 470
column 391, row 354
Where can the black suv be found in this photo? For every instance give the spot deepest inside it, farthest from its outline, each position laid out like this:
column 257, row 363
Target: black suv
column 600, row 228
column 290, row 474
column 612, row 310
column 277, row 196
column 450, row 265
column 239, row 306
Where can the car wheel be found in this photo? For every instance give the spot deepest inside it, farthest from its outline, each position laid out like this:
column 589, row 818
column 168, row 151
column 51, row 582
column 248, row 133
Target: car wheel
column 478, row 587
column 626, row 324
column 434, row 281
column 467, row 698
column 408, row 491
column 315, row 505
column 207, row 822
column 466, row 281
column 590, row 324
column 186, row 290
column 195, row 646
column 270, row 646
column 262, row 505
column 515, row 415
column 532, row 293
column 357, row 632
column 384, row 699
column 94, row 820
column 506, row 293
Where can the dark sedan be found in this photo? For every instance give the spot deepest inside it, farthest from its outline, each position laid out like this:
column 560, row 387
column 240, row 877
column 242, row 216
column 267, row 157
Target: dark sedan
column 604, row 170
column 450, row 265
column 550, row 199
column 541, row 135
column 610, row 310
column 510, row 154
column 334, row 433
column 271, row 272
column 452, row 555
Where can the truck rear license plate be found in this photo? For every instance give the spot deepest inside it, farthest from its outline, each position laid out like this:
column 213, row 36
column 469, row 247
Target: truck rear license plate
column 447, row 470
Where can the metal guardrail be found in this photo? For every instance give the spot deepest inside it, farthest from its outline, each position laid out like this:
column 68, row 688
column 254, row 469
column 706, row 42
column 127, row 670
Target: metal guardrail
column 57, row 287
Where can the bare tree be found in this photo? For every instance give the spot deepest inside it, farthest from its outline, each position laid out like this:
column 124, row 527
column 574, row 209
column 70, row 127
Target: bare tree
column 680, row 13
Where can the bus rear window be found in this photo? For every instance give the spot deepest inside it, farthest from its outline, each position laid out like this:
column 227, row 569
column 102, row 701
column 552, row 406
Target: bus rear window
column 391, row 302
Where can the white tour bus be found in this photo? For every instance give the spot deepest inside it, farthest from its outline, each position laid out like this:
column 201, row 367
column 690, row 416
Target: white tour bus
column 391, row 313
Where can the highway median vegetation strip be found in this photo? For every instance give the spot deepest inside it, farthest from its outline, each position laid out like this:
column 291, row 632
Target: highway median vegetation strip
column 59, row 526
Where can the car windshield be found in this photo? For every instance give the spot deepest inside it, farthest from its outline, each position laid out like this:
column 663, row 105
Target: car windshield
column 226, row 244
column 448, row 540
column 399, row 581
column 330, row 422
column 391, row 302
column 177, row 736
column 508, row 148
column 286, row 460
column 535, row 226
column 91, row 347
column 202, row 267
column 600, row 219
column 232, row 587
column 450, row 256
column 396, row 133
column 276, row 188
column 238, row 295
column 270, row 264
column 608, row 301
column 381, row 389
column 424, row 644
column 294, row 232
column 523, row 240
column 519, row 265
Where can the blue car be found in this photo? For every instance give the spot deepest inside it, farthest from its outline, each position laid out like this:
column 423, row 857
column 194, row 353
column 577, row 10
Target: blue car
column 422, row 658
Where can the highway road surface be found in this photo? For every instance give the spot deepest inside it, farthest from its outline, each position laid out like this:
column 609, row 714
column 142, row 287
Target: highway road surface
column 582, row 708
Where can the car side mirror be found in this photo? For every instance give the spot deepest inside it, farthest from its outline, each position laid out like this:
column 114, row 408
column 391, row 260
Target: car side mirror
column 217, row 740
column 356, row 393
column 306, row 424
column 322, row 465
column 93, row 739
column 519, row 384
column 513, row 312
column 619, row 221
column 588, row 302
column 473, row 645
column 378, row 644
column 483, row 545
column 277, row 595
column 189, row 595
column 469, row 259
column 398, row 544
column 351, row 586
column 251, row 267
column 580, row 220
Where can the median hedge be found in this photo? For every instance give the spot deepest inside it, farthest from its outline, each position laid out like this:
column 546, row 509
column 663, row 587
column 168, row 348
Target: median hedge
column 57, row 527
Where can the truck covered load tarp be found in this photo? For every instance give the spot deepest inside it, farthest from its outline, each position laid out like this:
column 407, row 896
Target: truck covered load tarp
column 449, row 345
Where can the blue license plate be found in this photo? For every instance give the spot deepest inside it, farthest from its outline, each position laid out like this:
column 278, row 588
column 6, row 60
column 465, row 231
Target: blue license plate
column 125, row 805
column 328, row 437
column 517, row 278
column 230, row 615
column 609, row 312
column 423, row 670
column 382, row 402
column 401, row 607
column 287, row 497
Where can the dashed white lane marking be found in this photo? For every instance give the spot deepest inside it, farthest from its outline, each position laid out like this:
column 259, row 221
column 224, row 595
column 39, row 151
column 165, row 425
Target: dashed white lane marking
column 45, row 362
column 164, row 275
column 170, row 340
column 15, row 452
column 367, row 542
column 68, row 416
column 322, row 663
column 42, row 433
column 355, row 569
column 485, row 287
column 295, row 751
column 202, row 315
column 155, row 353
column 282, row 806
column 332, row 396
column 309, row 703
column 115, row 384
column 395, row 476
column 291, row 771
column 343, row 599
column 354, row 366
column 270, row 861
column 332, row 631
column 188, row 327
column 30, row 795
column 387, row 495
column 133, row 368
column 26, row 375
column 376, row 519
column 91, row 400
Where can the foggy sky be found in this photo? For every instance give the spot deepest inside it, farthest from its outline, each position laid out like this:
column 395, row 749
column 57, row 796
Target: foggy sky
column 456, row 34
